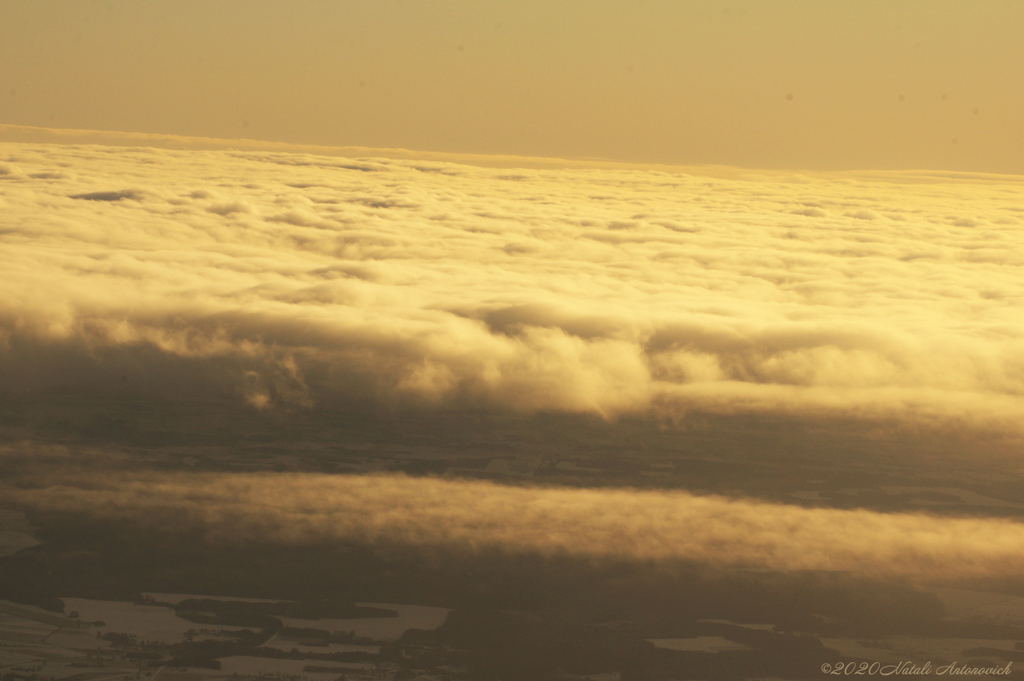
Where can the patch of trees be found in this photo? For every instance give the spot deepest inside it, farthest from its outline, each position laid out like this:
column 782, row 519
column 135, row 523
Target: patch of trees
column 210, row 649
column 265, row 615
column 264, row 622
column 193, row 661
column 309, row 610
column 324, row 636
column 119, row 639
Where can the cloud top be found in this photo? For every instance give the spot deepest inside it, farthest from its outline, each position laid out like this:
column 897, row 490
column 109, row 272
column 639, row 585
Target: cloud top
column 296, row 279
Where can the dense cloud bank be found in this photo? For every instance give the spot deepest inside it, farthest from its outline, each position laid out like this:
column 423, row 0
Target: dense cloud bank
column 291, row 279
column 421, row 513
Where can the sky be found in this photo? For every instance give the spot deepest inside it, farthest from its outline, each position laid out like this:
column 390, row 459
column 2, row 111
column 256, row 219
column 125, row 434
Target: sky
column 797, row 84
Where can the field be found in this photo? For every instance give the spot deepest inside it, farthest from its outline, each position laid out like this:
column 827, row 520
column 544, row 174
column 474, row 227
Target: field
column 36, row 641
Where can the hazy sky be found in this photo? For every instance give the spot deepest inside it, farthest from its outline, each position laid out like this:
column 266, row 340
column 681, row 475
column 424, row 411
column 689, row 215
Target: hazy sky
column 844, row 84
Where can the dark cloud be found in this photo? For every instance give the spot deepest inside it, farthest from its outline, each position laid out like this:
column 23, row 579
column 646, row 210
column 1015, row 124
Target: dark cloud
column 97, row 196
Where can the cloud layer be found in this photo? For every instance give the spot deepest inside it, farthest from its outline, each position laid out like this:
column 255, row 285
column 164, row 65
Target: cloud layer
column 478, row 516
column 293, row 279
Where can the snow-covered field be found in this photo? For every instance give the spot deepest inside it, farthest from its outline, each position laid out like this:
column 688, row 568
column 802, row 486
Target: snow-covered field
column 145, row 622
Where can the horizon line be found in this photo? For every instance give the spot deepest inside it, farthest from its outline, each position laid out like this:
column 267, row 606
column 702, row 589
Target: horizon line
column 26, row 134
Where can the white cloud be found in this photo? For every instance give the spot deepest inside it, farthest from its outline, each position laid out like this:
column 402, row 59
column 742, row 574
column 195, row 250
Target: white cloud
column 604, row 290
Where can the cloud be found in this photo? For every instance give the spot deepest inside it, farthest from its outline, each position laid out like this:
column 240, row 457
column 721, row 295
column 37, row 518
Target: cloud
column 425, row 513
column 286, row 278
column 95, row 196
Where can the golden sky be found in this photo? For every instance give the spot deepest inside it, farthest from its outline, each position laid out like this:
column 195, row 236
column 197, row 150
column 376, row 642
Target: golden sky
column 794, row 84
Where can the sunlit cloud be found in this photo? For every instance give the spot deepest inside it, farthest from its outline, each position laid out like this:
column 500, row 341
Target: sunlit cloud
column 470, row 516
column 291, row 279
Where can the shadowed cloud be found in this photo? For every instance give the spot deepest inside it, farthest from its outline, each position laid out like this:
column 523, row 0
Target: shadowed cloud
column 421, row 513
